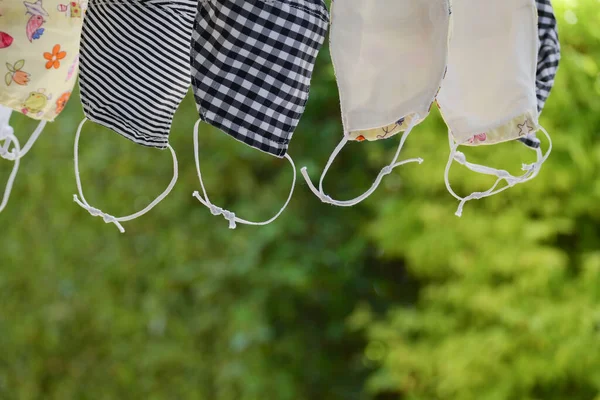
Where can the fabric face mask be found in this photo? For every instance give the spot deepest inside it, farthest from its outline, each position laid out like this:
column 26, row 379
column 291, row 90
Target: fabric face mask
column 390, row 59
column 489, row 93
column 252, row 62
column 39, row 48
column 134, row 74
column 548, row 59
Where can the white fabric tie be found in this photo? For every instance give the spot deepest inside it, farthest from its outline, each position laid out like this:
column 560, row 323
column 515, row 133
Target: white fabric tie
column 228, row 215
column 107, row 218
column 531, row 171
column 7, row 135
column 8, row 132
column 320, row 193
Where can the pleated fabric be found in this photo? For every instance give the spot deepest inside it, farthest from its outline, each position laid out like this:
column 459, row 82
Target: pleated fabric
column 135, row 65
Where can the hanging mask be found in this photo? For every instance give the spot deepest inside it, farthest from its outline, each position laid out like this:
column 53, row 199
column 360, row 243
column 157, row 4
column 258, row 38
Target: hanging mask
column 489, row 93
column 252, row 63
column 134, row 74
column 39, row 47
column 548, row 59
column 389, row 58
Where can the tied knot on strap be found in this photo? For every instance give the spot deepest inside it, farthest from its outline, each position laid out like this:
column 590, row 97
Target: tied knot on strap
column 472, row 196
column 216, row 210
column 6, row 131
column 460, row 157
column 325, row 198
column 529, row 167
column 7, row 135
column 94, row 212
column 228, row 215
column 8, row 155
column 387, row 170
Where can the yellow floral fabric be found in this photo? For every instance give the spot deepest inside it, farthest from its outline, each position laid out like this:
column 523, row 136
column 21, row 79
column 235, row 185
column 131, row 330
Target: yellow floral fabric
column 517, row 127
column 39, row 54
column 384, row 132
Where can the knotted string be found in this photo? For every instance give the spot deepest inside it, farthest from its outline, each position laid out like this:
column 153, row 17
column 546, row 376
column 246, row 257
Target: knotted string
column 14, row 155
column 531, row 171
column 107, row 218
column 7, row 135
column 384, row 171
column 228, row 215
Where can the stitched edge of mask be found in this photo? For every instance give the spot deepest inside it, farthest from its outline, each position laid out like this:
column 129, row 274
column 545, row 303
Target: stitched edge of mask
column 315, row 8
column 175, row 11
column 384, row 132
column 403, row 123
column 517, row 128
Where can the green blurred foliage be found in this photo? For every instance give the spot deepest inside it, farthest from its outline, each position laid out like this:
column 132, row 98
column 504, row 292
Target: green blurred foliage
column 393, row 299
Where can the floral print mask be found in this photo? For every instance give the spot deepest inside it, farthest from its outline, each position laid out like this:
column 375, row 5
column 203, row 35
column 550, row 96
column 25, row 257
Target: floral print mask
column 39, row 47
column 489, row 93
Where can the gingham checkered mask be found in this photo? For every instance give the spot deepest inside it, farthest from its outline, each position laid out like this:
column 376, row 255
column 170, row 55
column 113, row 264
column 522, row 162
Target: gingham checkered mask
column 39, row 47
column 389, row 58
column 489, row 93
column 134, row 74
column 252, row 63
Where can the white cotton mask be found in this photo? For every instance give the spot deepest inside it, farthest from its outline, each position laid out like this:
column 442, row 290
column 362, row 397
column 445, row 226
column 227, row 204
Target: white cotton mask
column 489, row 93
column 389, row 58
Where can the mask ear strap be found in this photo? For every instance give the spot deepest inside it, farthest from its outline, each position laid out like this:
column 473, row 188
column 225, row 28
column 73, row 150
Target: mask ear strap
column 33, row 138
column 9, row 137
column 109, row 219
column 228, row 215
column 385, row 171
column 531, row 171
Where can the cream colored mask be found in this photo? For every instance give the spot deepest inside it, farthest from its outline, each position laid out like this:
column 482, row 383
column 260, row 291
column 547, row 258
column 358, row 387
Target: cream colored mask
column 39, row 48
column 489, row 93
column 390, row 59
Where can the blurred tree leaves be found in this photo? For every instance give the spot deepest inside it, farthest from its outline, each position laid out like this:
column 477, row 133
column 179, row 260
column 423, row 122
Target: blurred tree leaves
column 393, row 299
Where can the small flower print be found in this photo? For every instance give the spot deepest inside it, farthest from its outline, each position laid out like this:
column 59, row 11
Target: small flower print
column 15, row 74
column 54, row 57
column 5, row 40
column 480, row 137
column 62, row 102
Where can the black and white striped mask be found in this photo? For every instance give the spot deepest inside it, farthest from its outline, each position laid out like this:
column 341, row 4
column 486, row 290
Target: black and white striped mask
column 135, row 72
column 252, row 62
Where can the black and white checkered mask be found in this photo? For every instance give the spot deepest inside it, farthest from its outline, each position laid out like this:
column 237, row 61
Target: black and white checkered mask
column 135, row 73
column 252, row 62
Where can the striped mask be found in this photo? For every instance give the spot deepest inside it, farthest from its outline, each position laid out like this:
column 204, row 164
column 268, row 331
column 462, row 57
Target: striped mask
column 39, row 47
column 134, row 74
column 490, row 94
column 252, row 63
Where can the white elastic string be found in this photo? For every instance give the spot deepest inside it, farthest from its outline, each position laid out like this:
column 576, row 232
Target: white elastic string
column 7, row 136
column 228, row 215
column 32, row 139
column 531, row 171
column 109, row 219
column 13, row 155
column 385, row 171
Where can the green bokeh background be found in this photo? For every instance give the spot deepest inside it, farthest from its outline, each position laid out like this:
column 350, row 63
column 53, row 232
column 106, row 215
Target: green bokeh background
column 395, row 298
